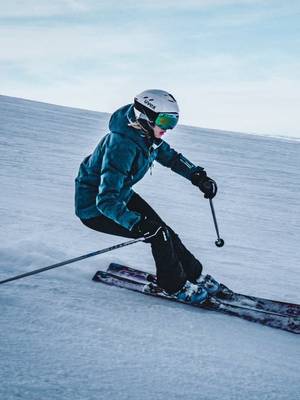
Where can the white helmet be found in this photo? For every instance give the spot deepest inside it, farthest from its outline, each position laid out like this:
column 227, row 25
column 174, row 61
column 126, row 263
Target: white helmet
column 154, row 106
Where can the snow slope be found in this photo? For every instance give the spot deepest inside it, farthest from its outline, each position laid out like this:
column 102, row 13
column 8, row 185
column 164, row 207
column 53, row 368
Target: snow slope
column 65, row 337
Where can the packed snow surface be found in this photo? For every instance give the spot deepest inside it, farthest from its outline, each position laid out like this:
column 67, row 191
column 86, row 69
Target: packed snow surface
column 64, row 336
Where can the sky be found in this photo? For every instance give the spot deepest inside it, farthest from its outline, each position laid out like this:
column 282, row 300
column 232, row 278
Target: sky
column 231, row 64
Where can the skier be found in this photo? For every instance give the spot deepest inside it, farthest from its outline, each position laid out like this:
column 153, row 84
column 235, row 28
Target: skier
column 106, row 202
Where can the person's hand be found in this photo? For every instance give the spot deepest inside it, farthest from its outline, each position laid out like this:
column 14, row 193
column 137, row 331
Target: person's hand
column 207, row 185
column 147, row 228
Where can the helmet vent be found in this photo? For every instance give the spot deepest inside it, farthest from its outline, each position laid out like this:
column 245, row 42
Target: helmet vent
column 173, row 99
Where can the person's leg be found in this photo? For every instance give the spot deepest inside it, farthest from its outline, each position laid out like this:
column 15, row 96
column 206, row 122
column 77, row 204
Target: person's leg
column 107, row 225
column 169, row 261
column 175, row 263
column 191, row 266
column 170, row 274
column 169, row 270
column 138, row 204
column 104, row 224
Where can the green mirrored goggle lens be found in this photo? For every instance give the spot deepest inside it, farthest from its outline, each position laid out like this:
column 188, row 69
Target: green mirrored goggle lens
column 166, row 121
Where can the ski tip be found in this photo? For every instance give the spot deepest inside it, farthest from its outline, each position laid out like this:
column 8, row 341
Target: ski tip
column 96, row 276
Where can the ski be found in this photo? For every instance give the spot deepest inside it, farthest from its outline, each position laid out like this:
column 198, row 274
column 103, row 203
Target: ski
column 291, row 324
column 238, row 299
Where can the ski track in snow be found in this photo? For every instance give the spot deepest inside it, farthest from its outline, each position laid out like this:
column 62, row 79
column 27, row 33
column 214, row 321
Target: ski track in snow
column 65, row 337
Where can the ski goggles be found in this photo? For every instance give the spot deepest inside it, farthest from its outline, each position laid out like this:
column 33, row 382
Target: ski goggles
column 166, row 121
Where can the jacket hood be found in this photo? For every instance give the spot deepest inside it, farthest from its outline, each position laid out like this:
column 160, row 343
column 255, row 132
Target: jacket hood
column 120, row 119
column 119, row 124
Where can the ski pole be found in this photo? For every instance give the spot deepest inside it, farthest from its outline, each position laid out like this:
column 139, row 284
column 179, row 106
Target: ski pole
column 72, row 260
column 219, row 242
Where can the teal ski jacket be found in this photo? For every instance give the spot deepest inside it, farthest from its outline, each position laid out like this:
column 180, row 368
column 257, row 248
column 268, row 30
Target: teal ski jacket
column 123, row 156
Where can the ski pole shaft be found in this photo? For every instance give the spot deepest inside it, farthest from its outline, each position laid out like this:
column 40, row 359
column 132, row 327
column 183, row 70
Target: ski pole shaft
column 220, row 242
column 214, row 217
column 72, row 260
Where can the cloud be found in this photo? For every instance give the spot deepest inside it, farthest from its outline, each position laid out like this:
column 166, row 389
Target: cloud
column 41, row 8
column 263, row 106
column 67, row 42
column 44, row 8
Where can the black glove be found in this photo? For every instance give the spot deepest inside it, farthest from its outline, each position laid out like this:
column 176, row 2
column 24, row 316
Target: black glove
column 147, row 228
column 207, row 185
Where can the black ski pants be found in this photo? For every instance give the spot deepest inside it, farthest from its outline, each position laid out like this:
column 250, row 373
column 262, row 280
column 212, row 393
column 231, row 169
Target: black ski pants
column 174, row 263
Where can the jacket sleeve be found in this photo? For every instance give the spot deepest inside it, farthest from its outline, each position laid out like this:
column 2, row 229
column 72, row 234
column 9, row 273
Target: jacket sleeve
column 117, row 161
column 170, row 158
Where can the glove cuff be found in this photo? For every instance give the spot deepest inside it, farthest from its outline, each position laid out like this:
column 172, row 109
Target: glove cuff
column 198, row 176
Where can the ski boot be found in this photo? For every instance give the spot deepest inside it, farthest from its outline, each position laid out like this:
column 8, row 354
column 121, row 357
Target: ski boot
column 192, row 293
column 214, row 288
